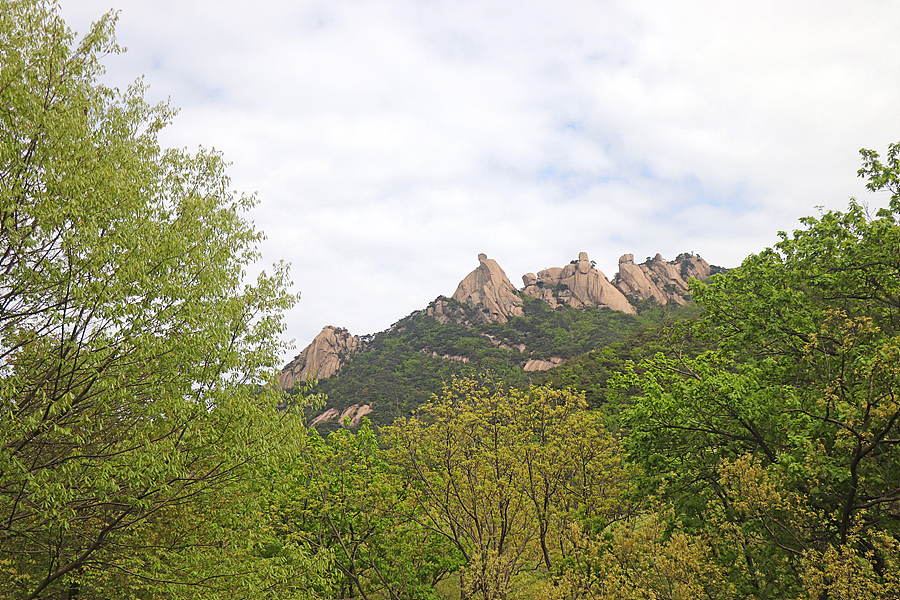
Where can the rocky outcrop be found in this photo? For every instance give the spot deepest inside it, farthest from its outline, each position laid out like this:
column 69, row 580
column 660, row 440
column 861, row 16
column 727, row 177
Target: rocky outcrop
column 325, row 416
column 489, row 291
column 324, row 356
column 578, row 284
column 440, row 310
column 447, row 311
column 355, row 413
column 453, row 357
column 658, row 279
column 536, row 364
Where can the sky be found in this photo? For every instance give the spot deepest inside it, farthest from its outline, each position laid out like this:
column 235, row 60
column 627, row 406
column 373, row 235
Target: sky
column 390, row 142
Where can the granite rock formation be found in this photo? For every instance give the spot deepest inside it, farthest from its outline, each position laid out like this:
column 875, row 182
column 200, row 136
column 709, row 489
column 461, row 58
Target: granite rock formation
column 441, row 310
column 578, row 284
column 355, row 413
column 495, row 299
column 658, row 279
column 489, row 290
column 536, row 364
column 324, row 356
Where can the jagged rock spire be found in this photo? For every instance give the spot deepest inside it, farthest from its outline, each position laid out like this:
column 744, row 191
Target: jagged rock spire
column 324, row 356
column 488, row 289
column 577, row 284
column 664, row 281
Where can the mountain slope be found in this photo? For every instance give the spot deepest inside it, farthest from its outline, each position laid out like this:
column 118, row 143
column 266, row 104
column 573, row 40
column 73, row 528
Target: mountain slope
column 489, row 327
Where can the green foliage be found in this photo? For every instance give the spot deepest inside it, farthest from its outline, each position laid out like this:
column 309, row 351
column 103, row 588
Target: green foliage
column 589, row 373
column 883, row 176
column 136, row 392
column 800, row 397
column 339, row 497
column 412, row 360
column 505, row 475
column 405, row 366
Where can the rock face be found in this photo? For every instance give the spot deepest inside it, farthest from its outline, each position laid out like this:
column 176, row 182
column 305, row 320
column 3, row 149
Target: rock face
column 327, row 353
column 664, row 281
column 441, row 310
column 578, row 284
column 536, row 364
column 489, row 290
column 355, row 413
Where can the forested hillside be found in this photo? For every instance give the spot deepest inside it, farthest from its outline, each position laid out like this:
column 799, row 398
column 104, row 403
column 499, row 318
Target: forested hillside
column 408, row 363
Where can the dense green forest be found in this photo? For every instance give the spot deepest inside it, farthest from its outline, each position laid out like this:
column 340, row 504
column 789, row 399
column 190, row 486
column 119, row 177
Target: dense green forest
column 746, row 449
column 405, row 365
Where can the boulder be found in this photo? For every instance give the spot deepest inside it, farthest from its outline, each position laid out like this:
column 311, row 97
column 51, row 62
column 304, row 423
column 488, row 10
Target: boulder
column 355, row 413
column 324, row 356
column 440, row 310
column 325, row 416
column 489, row 290
column 536, row 364
column 578, row 284
column 659, row 279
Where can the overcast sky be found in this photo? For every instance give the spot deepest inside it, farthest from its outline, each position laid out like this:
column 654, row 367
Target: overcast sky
column 390, row 142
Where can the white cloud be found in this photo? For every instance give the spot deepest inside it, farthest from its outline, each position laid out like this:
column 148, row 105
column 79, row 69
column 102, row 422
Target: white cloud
column 391, row 141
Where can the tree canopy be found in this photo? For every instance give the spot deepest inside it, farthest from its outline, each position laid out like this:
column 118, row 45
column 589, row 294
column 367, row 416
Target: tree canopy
column 147, row 452
column 802, row 393
column 136, row 382
column 505, row 475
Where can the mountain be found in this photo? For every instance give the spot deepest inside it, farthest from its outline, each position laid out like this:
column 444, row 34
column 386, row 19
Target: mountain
column 324, row 356
column 488, row 325
column 488, row 290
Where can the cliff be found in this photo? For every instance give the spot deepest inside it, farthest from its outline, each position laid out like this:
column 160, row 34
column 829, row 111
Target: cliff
column 324, row 356
column 488, row 289
column 658, row 279
column 577, row 284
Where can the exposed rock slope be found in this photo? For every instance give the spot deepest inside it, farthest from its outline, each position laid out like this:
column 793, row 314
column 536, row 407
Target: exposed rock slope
column 494, row 298
column 488, row 289
column 578, row 284
column 664, row 281
column 325, row 355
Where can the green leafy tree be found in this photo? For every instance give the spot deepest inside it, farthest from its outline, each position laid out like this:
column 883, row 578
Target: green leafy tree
column 653, row 555
column 136, row 395
column 505, row 474
column 806, row 381
column 339, row 497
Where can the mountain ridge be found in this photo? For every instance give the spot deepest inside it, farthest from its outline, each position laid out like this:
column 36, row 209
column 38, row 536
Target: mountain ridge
column 487, row 296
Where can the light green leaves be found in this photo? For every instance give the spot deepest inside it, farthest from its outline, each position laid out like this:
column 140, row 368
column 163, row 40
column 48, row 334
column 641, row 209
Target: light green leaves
column 137, row 366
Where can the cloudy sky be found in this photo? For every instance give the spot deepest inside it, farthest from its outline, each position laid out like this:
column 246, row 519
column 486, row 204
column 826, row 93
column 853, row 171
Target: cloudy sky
column 392, row 141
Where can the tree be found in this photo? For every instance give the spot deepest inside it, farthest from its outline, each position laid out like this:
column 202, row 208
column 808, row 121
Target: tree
column 340, row 496
column 136, row 386
column 805, row 381
column 505, row 474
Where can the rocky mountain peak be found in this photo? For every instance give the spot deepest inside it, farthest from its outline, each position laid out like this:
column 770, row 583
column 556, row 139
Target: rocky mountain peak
column 578, row 284
column 659, row 279
column 488, row 288
column 324, row 356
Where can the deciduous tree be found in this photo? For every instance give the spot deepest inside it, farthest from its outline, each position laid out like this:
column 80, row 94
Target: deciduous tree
column 135, row 363
column 339, row 496
column 805, row 380
column 504, row 474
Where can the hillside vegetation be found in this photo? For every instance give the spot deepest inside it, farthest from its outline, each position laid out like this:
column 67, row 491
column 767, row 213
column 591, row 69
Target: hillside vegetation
column 408, row 363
